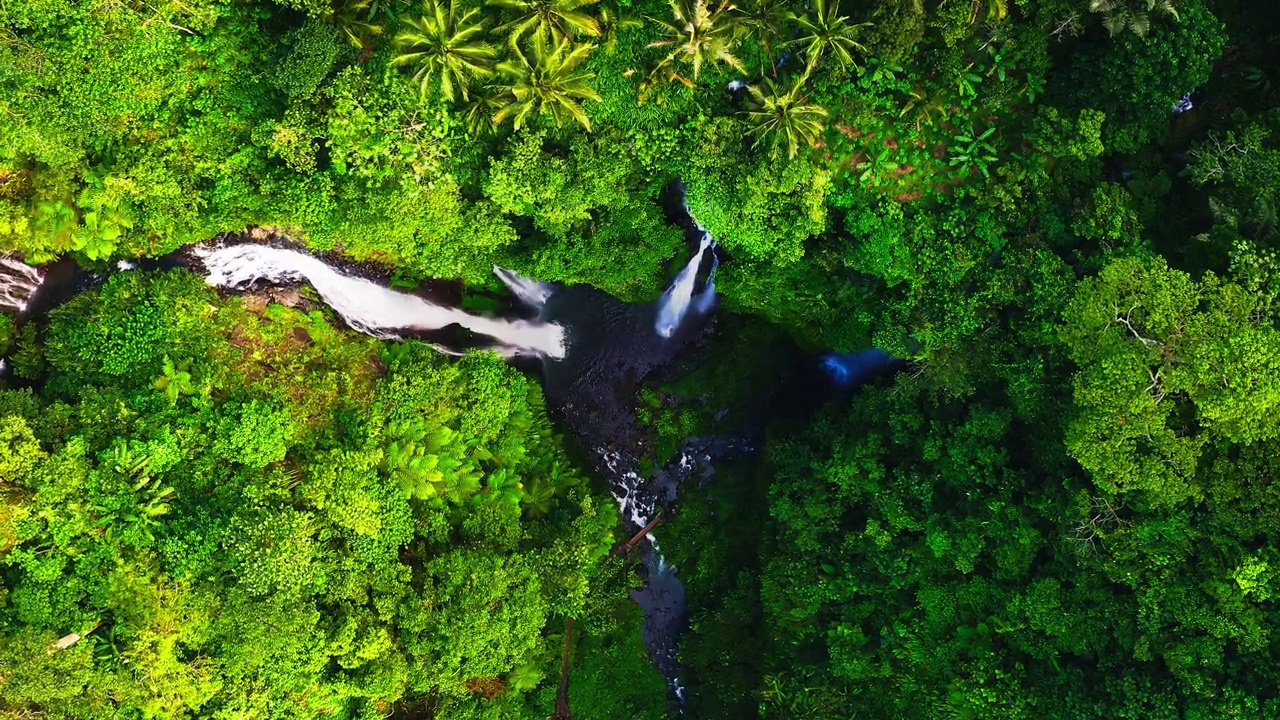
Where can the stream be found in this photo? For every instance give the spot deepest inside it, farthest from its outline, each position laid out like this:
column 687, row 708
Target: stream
column 591, row 349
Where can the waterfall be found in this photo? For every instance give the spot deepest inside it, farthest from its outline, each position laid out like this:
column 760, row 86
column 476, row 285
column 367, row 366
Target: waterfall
column 674, row 303
column 530, row 292
column 707, row 298
column 851, row 369
column 369, row 307
column 18, row 283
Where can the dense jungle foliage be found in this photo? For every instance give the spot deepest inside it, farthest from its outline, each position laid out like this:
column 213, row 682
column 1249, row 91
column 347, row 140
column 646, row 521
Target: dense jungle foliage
column 1063, row 507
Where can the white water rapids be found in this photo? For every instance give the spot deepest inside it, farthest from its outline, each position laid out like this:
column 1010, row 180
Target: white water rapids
column 18, row 283
column 530, row 292
column 369, row 307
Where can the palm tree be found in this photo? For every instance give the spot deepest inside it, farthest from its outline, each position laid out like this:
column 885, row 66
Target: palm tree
column 611, row 23
column 550, row 85
column 996, row 10
column 351, row 18
column 1134, row 15
column 559, row 18
column 699, row 36
column 824, row 30
column 784, row 116
column 764, row 18
column 443, row 43
column 477, row 112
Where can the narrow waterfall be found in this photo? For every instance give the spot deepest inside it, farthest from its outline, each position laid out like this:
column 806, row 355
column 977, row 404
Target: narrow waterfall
column 674, row 303
column 530, row 292
column 369, row 307
column 706, row 300
column 18, row 283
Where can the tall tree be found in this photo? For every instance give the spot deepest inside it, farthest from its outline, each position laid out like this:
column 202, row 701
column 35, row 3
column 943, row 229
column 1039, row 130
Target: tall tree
column 700, row 35
column 1166, row 365
column 612, row 22
column 764, row 20
column 1132, row 15
column 353, row 19
column 783, row 116
column 445, row 43
column 560, row 19
column 824, row 31
column 551, row 84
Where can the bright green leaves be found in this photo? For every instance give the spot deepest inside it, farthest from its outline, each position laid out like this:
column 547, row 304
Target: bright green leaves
column 1079, row 138
column 97, row 237
column 65, row 682
column 547, row 82
column 483, row 450
column 971, row 151
column 1230, row 366
column 52, row 229
column 445, row 47
column 313, row 51
column 347, row 487
column 1156, row 350
column 254, row 434
column 590, row 225
column 824, row 30
column 1117, row 326
column 176, row 381
column 275, row 552
column 429, row 464
column 130, row 501
column 701, row 34
column 20, row 452
column 488, row 612
column 128, row 327
column 243, row 531
column 763, row 208
column 784, row 116
column 100, row 232
column 529, row 181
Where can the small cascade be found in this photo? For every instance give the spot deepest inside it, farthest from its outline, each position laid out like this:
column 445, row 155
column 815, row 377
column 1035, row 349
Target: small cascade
column 674, row 303
column 851, row 369
column 530, row 292
column 707, row 298
column 18, row 284
column 369, row 307
column 640, row 499
column 1184, row 104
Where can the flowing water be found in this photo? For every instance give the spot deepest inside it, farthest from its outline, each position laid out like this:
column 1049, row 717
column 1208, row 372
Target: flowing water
column 674, row 303
column 530, row 292
column 707, row 299
column 853, row 369
column 18, row 284
column 594, row 351
column 368, row 306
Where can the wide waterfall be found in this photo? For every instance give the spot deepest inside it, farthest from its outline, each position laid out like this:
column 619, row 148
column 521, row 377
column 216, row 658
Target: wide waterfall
column 18, row 283
column 369, row 307
column 675, row 302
